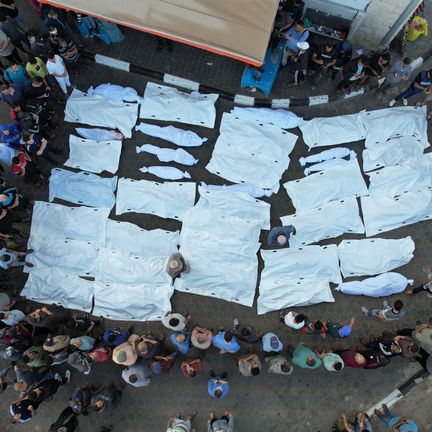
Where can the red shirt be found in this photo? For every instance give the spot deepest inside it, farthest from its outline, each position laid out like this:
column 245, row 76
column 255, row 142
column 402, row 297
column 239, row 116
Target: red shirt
column 17, row 168
column 348, row 358
column 194, row 363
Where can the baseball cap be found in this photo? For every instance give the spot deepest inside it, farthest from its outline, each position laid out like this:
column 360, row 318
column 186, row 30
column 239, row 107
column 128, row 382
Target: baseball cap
column 303, row 45
column 345, row 331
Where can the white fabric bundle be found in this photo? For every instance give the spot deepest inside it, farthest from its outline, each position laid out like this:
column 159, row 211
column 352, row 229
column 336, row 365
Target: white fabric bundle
column 253, row 191
column 132, row 302
column 220, row 239
column 168, row 200
column 411, row 175
column 172, row 134
column 292, row 292
column 373, row 256
column 333, row 153
column 330, row 220
column 167, row 155
column 115, row 92
column 98, row 111
column 278, row 117
column 245, row 143
column 383, row 213
column 334, row 183
column 166, row 103
column 7, row 154
column 132, row 240
column 100, row 134
column 322, row 166
column 387, row 123
column 94, row 156
column 327, row 131
column 113, row 266
column 166, row 172
column 49, row 285
column 82, row 188
column 383, row 285
column 321, row 262
column 238, row 204
column 392, row 152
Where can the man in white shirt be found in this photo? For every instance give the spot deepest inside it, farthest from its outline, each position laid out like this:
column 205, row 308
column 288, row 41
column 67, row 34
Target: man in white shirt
column 293, row 319
column 57, row 69
column 12, row 317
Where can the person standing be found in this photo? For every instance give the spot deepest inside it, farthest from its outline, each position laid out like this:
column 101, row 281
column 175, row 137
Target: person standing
column 56, row 67
column 8, row 49
column 137, row 375
column 218, row 386
column 224, row 424
column 400, row 71
column 325, row 57
column 107, row 399
column 249, row 365
column 178, row 424
column 278, row 365
column 67, row 421
column 305, row 358
column 421, row 84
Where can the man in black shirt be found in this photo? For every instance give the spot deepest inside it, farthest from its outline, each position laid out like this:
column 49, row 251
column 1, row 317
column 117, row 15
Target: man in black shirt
column 325, row 57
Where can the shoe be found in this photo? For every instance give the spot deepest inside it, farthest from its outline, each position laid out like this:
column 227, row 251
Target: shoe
column 58, row 377
column 392, row 102
column 405, row 101
column 236, row 322
column 68, row 376
column 364, row 310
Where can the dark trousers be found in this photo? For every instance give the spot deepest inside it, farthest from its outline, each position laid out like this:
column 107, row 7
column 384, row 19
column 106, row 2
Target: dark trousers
column 14, row 57
column 345, row 84
column 410, row 91
column 420, row 288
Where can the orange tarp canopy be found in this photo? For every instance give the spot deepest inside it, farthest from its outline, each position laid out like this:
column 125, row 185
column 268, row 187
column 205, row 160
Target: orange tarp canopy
column 236, row 28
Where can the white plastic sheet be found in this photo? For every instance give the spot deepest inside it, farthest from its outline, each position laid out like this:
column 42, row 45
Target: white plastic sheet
column 128, row 302
column 383, row 285
column 392, row 152
column 113, row 266
column 253, row 191
column 217, row 270
column 100, row 134
column 166, row 172
column 292, row 292
column 327, row 131
column 115, row 92
column 330, row 220
column 383, row 213
column 167, row 155
column 411, row 175
column 237, row 204
column 340, row 181
column 166, row 103
column 98, row 111
column 321, row 262
column 387, row 123
column 55, row 222
column 333, row 153
column 94, row 156
column 48, row 285
column 278, row 117
column 130, row 239
column 180, row 137
column 168, row 200
column 245, row 143
column 82, row 188
column 373, row 256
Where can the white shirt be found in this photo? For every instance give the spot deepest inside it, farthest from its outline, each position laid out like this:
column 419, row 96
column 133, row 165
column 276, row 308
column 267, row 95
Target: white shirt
column 56, row 67
column 179, row 327
column 10, row 258
column 15, row 317
column 289, row 321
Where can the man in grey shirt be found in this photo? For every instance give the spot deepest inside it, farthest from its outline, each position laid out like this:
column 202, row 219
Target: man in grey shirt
column 138, row 375
column 8, row 50
column 399, row 72
column 224, row 424
column 387, row 313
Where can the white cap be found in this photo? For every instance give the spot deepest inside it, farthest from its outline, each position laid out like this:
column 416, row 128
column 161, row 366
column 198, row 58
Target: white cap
column 303, row 45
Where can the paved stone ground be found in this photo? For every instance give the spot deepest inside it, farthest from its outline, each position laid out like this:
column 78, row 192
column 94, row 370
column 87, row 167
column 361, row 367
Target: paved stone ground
column 304, row 401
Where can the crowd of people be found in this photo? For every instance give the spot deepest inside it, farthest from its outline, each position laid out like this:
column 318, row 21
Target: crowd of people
column 44, row 346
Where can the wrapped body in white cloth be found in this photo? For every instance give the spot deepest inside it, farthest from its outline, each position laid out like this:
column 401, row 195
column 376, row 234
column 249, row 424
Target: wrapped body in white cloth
column 166, row 172
column 115, row 92
column 168, row 155
column 385, row 284
column 180, row 137
column 278, row 117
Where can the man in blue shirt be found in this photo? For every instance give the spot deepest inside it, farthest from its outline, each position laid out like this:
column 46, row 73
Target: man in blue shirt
column 217, row 386
column 395, row 422
column 226, row 342
column 421, row 84
column 297, row 33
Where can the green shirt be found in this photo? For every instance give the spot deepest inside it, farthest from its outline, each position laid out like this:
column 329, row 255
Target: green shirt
column 37, row 70
column 40, row 359
column 301, row 354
